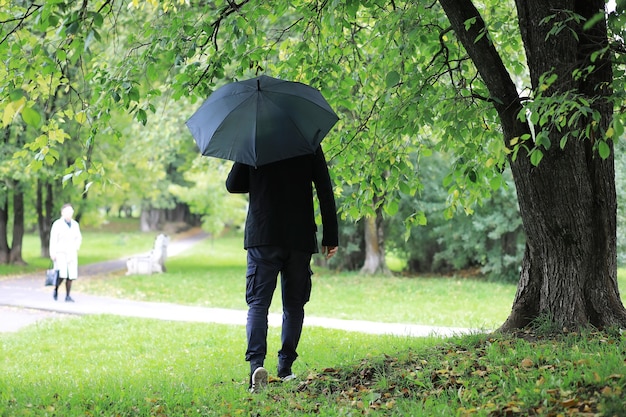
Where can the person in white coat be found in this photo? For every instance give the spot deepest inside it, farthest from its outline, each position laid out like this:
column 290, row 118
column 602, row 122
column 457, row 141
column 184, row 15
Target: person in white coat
column 65, row 240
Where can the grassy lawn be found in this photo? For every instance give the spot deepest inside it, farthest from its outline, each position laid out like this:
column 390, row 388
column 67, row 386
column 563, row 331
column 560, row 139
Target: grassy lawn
column 212, row 274
column 111, row 366
column 117, row 366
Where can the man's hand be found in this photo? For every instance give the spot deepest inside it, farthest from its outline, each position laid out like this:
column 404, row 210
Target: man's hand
column 329, row 251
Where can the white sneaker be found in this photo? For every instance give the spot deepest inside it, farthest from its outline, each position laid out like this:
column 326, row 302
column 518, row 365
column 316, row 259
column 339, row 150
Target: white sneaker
column 259, row 380
column 288, row 377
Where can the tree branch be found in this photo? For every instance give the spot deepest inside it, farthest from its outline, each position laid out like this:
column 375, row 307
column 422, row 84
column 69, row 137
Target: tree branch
column 31, row 9
column 488, row 62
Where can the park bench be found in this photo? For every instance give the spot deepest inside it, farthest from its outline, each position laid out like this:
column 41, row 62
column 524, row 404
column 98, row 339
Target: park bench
column 151, row 262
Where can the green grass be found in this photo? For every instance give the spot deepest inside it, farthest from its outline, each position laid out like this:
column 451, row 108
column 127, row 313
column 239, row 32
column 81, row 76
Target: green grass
column 113, row 366
column 212, row 274
column 105, row 365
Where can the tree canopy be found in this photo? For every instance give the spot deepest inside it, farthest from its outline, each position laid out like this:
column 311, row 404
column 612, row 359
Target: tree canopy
column 474, row 80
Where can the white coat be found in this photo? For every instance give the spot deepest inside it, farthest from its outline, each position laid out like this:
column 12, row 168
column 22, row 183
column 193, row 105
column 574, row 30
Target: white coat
column 65, row 241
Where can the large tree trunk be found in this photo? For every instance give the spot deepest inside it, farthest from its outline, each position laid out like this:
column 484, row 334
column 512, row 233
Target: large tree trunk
column 568, row 201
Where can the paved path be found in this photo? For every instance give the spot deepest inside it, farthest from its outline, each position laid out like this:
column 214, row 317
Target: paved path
column 25, row 300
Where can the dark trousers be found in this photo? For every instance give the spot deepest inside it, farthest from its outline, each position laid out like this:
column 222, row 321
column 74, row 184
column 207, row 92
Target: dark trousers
column 264, row 264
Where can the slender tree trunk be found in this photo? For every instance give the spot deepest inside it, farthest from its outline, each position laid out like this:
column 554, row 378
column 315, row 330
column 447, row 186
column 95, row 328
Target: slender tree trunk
column 4, row 210
column 568, row 201
column 374, row 246
column 150, row 218
column 44, row 205
column 4, row 229
column 15, row 256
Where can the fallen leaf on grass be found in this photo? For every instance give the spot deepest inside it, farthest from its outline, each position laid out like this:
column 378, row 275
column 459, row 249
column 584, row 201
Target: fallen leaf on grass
column 527, row 363
column 570, row 403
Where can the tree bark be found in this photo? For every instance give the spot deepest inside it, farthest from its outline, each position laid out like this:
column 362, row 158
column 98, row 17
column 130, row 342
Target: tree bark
column 567, row 202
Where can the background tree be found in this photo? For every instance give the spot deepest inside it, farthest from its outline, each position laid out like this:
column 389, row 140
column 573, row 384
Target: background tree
column 206, row 195
column 487, row 242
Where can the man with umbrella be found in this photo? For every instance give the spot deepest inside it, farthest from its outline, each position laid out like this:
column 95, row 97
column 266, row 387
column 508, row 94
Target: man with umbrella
column 272, row 129
column 280, row 236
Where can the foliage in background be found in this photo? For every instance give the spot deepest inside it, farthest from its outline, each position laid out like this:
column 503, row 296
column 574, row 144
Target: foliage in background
column 206, row 195
column 128, row 75
column 489, row 240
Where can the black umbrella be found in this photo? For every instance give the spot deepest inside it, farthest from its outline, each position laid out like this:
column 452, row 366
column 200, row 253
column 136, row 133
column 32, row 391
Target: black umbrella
column 262, row 120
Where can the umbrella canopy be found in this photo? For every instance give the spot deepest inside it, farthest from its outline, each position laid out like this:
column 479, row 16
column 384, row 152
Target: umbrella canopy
column 262, row 120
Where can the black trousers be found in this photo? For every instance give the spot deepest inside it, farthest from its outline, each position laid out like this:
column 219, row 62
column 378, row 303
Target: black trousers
column 264, row 264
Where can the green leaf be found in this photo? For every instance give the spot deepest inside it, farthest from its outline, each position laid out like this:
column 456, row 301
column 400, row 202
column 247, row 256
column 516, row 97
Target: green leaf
column 142, row 116
column 31, row 116
column 536, row 156
column 133, row 94
column 495, row 182
column 604, row 150
column 618, row 127
column 469, row 22
column 17, row 94
column 392, row 208
column 593, row 20
column 392, row 79
column 352, row 8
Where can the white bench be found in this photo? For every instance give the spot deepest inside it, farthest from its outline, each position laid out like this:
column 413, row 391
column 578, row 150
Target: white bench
column 152, row 262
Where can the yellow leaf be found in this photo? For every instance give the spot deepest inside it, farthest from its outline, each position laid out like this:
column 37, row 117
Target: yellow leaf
column 11, row 109
column 8, row 114
column 81, row 117
column 609, row 132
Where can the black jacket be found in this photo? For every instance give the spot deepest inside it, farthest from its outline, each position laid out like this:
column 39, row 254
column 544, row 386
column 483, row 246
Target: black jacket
column 281, row 202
